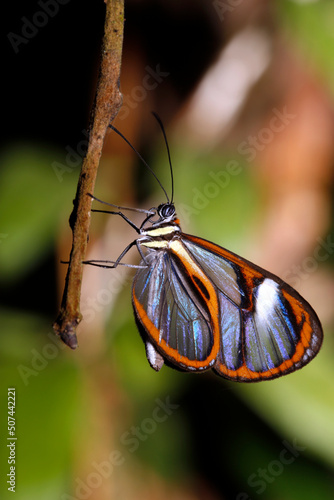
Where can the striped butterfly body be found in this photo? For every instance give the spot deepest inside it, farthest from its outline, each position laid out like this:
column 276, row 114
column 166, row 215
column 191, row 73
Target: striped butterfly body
column 199, row 306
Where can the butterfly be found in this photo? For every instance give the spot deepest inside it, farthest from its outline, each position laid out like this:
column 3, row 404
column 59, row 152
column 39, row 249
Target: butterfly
column 199, row 306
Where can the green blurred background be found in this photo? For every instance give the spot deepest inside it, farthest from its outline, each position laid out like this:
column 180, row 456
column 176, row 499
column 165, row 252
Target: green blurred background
column 98, row 422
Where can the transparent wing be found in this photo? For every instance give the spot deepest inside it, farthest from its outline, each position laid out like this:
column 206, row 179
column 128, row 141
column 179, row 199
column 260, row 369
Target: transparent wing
column 266, row 328
column 172, row 315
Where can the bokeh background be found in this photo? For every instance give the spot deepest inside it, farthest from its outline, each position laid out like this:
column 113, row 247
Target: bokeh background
column 245, row 89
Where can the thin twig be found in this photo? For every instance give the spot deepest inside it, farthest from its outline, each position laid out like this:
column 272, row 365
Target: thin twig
column 108, row 101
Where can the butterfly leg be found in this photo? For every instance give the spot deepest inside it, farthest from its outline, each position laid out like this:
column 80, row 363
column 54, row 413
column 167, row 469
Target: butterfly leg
column 110, row 264
column 132, row 224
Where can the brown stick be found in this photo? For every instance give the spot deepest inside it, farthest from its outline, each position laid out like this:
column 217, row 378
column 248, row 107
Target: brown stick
column 108, row 101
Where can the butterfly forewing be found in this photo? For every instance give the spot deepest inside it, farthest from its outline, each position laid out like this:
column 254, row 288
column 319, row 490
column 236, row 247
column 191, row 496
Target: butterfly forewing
column 176, row 319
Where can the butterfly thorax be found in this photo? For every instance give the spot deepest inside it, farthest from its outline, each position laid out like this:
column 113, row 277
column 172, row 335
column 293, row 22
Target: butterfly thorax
column 156, row 234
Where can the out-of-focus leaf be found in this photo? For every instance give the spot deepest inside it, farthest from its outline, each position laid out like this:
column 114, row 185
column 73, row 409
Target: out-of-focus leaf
column 32, row 201
column 46, row 389
column 301, row 405
column 310, row 25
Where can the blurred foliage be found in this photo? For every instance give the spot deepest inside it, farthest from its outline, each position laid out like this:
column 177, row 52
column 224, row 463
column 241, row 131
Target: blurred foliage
column 310, row 29
column 46, row 386
column 33, row 198
column 222, row 429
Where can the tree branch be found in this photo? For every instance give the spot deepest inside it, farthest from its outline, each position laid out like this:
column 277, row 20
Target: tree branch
column 108, row 101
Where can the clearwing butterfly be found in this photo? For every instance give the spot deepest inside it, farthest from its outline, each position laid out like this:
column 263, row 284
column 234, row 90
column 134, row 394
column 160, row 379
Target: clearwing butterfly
column 200, row 306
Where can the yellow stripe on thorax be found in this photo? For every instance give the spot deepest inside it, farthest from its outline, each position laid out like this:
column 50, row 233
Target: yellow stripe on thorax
column 155, row 244
column 161, row 231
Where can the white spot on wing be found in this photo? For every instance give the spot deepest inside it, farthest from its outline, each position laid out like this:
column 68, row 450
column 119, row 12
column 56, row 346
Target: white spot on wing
column 267, row 293
column 266, row 298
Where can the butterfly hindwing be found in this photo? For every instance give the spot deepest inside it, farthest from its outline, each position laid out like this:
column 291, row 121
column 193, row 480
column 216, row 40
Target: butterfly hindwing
column 267, row 328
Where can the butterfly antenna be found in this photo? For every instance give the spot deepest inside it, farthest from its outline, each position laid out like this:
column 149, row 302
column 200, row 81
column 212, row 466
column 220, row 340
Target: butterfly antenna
column 157, row 117
column 140, row 157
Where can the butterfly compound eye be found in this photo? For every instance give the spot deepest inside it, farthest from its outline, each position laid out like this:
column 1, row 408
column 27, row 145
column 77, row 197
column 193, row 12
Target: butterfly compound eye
column 167, row 210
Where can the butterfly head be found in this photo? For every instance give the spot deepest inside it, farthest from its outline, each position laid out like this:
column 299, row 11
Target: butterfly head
column 166, row 215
